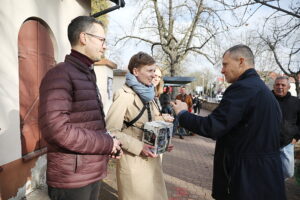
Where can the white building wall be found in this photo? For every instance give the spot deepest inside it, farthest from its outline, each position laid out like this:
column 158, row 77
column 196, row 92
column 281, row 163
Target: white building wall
column 118, row 82
column 103, row 73
column 57, row 14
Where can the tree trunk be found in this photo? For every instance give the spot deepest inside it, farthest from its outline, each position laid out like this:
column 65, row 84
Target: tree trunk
column 297, row 85
column 172, row 74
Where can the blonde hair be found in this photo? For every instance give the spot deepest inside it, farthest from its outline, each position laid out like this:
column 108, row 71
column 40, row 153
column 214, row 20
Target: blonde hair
column 159, row 89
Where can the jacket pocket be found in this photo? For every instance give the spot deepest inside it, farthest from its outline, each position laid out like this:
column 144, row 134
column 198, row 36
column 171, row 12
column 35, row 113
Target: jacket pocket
column 78, row 163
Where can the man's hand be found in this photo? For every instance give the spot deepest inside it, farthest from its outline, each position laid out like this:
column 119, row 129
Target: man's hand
column 117, row 150
column 294, row 141
column 179, row 106
column 167, row 117
column 146, row 151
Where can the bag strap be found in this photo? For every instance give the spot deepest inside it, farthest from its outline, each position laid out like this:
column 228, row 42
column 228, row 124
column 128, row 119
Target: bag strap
column 146, row 106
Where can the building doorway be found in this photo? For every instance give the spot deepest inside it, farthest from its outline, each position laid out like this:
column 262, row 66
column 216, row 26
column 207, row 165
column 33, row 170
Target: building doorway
column 36, row 57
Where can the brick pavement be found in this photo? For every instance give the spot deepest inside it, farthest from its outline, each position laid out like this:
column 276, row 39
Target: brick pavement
column 187, row 171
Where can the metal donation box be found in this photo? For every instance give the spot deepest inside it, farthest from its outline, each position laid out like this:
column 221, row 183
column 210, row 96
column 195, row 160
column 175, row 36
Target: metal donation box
column 158, row 134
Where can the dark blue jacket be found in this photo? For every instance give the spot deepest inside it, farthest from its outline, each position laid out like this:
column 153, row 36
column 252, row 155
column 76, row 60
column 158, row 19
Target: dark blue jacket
column 246, row 126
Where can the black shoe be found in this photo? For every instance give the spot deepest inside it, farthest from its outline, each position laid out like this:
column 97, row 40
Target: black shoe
column 180, row 136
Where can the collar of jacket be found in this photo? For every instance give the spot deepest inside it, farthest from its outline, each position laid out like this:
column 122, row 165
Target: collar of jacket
column 128, row 89
column 137, row 100
column 83, row 58
column 79, row 64
column 282, row 98
column 248, row 73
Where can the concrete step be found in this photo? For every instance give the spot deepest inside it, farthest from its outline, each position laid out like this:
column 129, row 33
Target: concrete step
column 38, row 194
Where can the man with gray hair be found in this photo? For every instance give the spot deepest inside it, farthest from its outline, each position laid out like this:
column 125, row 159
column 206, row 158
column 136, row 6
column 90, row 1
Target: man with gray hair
column 246, row 126
column 290, row 133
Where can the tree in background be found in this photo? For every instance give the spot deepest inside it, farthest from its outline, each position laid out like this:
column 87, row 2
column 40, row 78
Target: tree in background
column 176, row 28
column 98, row 5
column 280, row 33
column 204, row 78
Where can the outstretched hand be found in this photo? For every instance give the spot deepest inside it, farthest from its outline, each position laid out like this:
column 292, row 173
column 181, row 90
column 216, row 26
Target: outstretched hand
column 179, row 106
column 167, row 117
column 146, row 151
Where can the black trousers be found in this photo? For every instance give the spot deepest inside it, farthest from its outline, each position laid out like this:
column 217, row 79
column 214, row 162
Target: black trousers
column 88, row 192
column 197, row 110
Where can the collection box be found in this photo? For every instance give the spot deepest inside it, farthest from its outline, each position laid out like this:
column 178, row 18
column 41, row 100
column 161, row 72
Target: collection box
column 158, row 134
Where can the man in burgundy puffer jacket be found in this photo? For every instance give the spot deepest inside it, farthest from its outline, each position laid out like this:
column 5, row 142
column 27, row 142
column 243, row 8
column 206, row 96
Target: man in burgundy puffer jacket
column 71, row 117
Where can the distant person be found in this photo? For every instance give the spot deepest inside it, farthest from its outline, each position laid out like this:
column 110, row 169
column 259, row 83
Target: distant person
column 245, row 125
column 158, row 88
column 71, row 117
column 184, row 97
column 165, row 100
column 196, row 104
column 139, row 171
column 191, row 108
column 290, row 108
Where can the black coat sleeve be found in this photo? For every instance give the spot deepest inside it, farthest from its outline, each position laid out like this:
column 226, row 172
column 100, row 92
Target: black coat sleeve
column 226, row 116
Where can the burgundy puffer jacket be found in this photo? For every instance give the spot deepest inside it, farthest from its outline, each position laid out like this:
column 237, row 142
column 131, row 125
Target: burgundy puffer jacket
column 71, row 120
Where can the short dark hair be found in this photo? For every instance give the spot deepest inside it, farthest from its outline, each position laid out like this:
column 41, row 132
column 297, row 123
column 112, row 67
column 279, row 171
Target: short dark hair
column 78, row 25
column 140, row 59
column 241, row 50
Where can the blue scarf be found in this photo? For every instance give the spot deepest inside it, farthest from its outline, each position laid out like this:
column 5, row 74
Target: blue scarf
column 146, row 93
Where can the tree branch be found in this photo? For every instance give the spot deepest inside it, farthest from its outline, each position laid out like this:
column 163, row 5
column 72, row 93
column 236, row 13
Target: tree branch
column 278, row 8
column 134, row 37
column 206, row 41
column 205, row 55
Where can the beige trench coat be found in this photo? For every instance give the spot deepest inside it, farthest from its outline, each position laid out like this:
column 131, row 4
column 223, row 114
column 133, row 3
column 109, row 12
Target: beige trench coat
column 139, row 178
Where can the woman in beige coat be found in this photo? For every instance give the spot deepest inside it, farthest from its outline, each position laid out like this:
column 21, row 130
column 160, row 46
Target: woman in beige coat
column 139, row 171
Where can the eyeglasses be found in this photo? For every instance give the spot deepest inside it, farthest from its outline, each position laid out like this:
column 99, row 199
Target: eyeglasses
column 102, row 39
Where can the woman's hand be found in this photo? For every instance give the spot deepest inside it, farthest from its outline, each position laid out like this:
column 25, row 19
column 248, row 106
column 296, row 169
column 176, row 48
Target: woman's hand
column 170, row 148
column 167, row 117
column 146, row 151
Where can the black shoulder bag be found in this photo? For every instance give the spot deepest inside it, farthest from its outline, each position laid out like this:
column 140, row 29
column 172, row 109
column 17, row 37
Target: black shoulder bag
column 146, row 106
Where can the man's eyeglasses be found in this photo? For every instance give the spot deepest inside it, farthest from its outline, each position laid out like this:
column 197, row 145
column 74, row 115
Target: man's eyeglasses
column 102, row 39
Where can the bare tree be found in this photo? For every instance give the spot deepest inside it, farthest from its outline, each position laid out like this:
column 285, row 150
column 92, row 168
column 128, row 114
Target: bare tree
column 286, row 55
column 281, row 34
column 294, row 7
column 204, row 78
column 176, row 28
column 264, row 61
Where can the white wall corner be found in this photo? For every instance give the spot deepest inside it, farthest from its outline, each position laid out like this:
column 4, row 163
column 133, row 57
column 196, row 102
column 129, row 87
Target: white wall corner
column 35, row 188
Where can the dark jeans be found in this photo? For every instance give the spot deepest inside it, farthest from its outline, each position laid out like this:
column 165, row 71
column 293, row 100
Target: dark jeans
column 177, row 129
column 88, row 192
